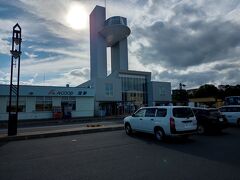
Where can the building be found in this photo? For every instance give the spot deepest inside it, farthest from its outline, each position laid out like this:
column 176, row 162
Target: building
column 207, row 102
column 42, row 102
column 232, row 100
column 123, row 91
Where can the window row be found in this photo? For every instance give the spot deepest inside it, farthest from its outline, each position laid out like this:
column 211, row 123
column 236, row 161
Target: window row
column 151, row 112
column 43, row 103
column 134, row 84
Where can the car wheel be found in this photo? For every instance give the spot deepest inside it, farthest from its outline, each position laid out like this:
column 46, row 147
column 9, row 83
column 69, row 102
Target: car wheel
column 200, row 129
column 128, row 129
column 159, row 134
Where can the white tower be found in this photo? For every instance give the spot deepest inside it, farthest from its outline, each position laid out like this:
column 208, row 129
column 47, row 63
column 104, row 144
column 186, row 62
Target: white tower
column 113, row 33
column 98, row 52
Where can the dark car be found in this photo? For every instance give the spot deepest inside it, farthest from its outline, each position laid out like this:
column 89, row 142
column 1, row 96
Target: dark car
column 209, row 120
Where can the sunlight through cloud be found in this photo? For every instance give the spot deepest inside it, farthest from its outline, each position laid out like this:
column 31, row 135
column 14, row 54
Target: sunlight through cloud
column 77, row 17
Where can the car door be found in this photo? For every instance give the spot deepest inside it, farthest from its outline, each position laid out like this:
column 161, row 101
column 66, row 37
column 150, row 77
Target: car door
column 148, row 120
column 184, row 119
column 161, row 120
column 235, row 114
column 137, row 119
column 230, row 114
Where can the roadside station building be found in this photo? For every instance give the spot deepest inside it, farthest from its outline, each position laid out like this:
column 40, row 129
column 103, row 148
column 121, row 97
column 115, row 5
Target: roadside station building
column 124, row 90
column 41, row 102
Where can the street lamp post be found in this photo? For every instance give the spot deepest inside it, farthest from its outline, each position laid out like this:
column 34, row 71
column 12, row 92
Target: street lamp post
column 14, row 88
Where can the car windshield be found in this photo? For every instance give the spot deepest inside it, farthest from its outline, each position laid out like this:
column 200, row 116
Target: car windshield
column 182, row 112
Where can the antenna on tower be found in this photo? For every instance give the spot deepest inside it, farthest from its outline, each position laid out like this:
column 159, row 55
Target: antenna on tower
column 105, row 3
column 44, row 78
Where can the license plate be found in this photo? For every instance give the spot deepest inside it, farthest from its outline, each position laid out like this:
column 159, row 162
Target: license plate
column 188, row 125
column 220, row 119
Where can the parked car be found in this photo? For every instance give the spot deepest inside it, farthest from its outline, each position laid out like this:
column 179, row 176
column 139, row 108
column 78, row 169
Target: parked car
column 209, row 120
column 232, row 113
column 162, row 121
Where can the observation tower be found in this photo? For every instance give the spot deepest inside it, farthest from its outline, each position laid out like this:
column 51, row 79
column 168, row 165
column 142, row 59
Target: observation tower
column 113, row 33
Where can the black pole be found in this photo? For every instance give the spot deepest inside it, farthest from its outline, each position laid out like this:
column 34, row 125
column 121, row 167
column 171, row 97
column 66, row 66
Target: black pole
column 14, row 88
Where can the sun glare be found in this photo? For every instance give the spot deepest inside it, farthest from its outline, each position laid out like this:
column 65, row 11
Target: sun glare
column 77, row 17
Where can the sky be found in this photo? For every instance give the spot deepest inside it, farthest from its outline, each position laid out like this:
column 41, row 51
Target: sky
column 179, row 41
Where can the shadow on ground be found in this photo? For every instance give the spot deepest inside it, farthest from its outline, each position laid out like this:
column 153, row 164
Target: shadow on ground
column 222, row 147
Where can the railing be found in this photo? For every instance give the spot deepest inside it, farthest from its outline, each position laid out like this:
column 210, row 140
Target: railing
column 115, row 20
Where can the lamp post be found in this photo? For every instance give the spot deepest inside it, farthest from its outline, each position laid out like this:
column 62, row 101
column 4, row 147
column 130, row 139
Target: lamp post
column 181, row 85
column 14, row 88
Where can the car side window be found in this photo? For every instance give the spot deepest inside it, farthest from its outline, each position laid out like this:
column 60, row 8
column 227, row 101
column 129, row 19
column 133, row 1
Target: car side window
column 205, row 112
column 150, row 112
column 195, row 111
column 161, row 112
column 223, row 110
column 235, row 109
column 140, row 113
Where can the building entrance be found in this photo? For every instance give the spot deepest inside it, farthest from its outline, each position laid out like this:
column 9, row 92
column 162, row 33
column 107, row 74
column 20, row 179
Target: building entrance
column 66, row 109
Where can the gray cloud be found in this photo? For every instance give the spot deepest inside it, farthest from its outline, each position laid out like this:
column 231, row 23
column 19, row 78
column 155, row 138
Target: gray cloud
column 83, row 72
column 191, row 38
column 194, row 79
column 175, row 46
column 226, row 66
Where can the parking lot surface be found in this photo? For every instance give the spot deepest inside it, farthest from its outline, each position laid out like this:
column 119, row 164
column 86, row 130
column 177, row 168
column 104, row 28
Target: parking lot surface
column 114, row 155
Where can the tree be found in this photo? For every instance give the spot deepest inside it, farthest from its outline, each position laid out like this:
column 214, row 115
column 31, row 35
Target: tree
column 207, row 90
column 232, row 91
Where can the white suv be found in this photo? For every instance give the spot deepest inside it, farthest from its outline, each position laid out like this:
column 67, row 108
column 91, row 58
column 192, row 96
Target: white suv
column 232, row 113
column 162, row 121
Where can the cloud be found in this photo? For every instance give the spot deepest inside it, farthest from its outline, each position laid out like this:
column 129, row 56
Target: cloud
column 31, row 56
column 188, row 43
column 4, row 77
column 173, row 46
column 83, row 72
column 73, row 77
column 56, row 64
column 193, row 42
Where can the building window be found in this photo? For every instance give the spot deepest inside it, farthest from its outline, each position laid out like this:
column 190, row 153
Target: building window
column 162, row 91
column 43, row 103
column 109, row 89
column 70, row 102
column 161, row 112
column 21, row 104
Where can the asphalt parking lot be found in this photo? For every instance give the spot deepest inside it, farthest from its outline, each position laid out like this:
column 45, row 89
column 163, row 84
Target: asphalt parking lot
column 114, row 155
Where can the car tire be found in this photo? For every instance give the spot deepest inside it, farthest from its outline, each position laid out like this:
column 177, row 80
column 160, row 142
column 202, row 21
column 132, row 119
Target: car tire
column 159, row 134
column 128, row 129
column 201, row 129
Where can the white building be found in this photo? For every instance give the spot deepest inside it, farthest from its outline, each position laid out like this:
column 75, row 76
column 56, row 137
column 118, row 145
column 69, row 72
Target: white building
column 39, row 102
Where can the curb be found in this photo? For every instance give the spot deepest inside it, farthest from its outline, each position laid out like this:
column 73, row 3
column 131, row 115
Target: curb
column 46, row 122
column 59, row 133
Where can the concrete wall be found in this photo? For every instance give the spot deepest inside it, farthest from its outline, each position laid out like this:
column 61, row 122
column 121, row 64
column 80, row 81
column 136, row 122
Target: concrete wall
column 161, row 91
column 84, row 107
column 30, row 104
column 3, row 103
column 101, row 92
column 98, row 51
column 119, row 56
